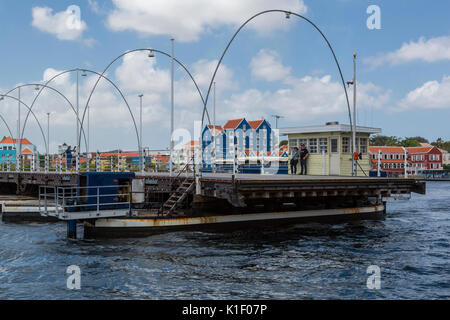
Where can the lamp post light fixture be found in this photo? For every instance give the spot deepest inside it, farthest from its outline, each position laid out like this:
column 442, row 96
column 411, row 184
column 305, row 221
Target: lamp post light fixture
column 277, row 117
column 354, row 173
column 151, row 54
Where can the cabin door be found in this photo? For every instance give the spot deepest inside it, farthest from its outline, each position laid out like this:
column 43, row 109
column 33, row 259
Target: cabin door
column 334, row 157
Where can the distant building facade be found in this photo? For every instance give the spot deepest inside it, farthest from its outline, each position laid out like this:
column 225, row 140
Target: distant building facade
column 238, row 138
column 8, row 148
column 418, row 159
column 392, row 160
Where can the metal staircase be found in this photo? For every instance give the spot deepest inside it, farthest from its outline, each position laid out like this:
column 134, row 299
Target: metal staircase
column 177, row 197
column 185, row 188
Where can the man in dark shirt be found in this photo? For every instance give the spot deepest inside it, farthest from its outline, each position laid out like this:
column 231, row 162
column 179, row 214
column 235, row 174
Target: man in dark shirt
column 68, row 157
column 304, row 154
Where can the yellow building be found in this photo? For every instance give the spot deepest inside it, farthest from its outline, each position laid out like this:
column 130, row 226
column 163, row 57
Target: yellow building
column 330, row 147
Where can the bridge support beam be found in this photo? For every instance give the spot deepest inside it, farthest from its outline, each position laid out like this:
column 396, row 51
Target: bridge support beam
column 72, row 229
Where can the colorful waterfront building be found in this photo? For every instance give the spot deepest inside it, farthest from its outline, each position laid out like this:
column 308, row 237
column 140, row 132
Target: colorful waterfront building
column 238, row 138
column 391, row 159
column 418, row 159
column 8, row 148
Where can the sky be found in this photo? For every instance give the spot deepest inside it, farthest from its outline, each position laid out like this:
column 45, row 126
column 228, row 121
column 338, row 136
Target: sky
column 274, row 66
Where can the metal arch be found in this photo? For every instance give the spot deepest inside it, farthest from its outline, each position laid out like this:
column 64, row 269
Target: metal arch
column 46, row 85
column 121, row 94
column 42, row 131
column 6, row 123
column 152, row 50
column 288, row 13
column 57, row 91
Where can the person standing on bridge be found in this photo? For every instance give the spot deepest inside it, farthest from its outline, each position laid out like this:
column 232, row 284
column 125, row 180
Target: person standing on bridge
column 304, row 154
column 294, row 160
column 68, row 158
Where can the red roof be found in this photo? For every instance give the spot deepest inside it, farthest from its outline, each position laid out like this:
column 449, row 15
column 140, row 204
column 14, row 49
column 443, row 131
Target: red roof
column 420, row 149
column 192, row 143
column 215, row 130
column 14, row 141
column 387, row 149
column 255, row 124
column 233, row 124
column 122, row 154
column 26, row 150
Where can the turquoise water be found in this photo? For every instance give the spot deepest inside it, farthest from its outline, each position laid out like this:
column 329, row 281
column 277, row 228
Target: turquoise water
column 310, row 261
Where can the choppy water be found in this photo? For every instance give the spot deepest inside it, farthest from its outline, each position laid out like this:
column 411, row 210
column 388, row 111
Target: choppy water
column 300, row 262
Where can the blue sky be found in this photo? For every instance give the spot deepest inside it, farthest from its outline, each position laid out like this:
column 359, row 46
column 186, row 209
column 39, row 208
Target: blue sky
column 275, row 65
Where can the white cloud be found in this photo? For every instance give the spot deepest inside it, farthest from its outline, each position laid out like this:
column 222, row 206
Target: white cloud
column 302, row 100
column 139, row 73
column 65, row 25
column 93, row 5
column 267, row 66
column 431, row 95
column 431, row 50
column 188, row 20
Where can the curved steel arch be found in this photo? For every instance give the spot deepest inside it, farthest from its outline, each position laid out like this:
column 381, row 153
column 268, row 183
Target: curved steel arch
column 150, row 50
column 60, row 74
column 55, row 90
column 287, row 13
column 6, row 123
column 40, row 127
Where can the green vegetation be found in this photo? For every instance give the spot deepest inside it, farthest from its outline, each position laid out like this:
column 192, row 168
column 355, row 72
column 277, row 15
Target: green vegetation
column 393, row 141
column 442, row 144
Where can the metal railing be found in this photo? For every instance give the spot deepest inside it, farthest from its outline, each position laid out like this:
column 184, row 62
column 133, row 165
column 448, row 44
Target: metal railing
column 58, row 201
column 82, row 163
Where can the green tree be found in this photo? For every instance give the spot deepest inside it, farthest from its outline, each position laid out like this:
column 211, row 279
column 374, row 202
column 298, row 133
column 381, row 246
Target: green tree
column 409, row 142
column 380, row 140
column 418, row 139
column 438, row 143
column 284, row 143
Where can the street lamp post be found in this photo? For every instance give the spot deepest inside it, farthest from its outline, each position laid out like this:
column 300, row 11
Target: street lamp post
column 354, row 173
column 18, row 151
column 214, row 132
column 171, row 108
column 140, row 133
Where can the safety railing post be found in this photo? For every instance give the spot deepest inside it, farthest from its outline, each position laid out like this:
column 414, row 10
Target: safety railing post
column 97, row 163
column 46, row 163
column 77, row 162
column 119, row 164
